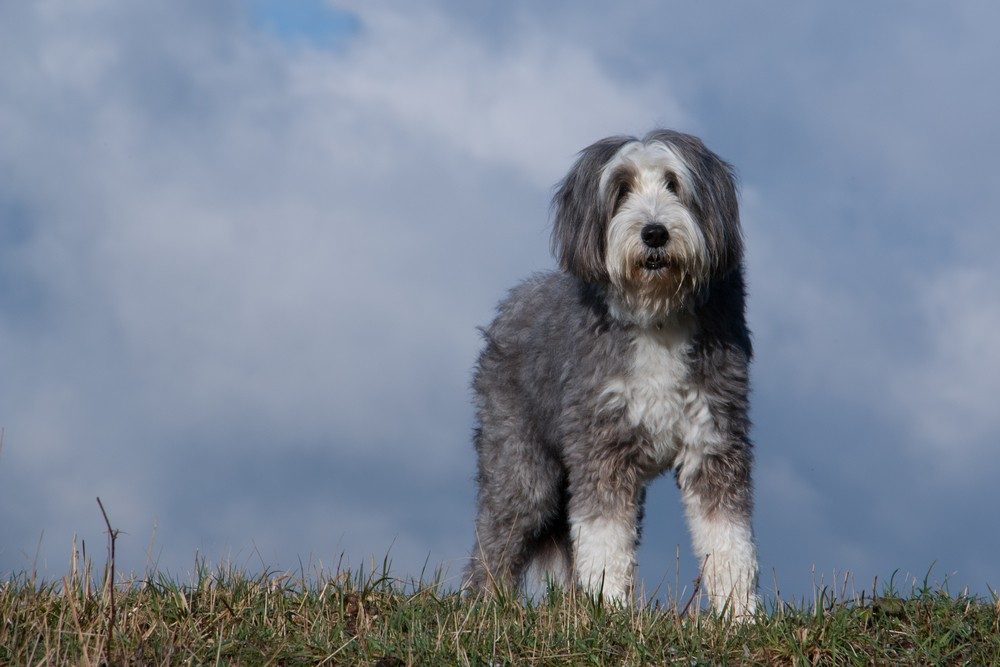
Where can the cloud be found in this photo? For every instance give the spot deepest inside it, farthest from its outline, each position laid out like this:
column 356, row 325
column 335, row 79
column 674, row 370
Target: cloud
column 240, row 270
column 949, row 394
column 529, row 103
column 244, row 254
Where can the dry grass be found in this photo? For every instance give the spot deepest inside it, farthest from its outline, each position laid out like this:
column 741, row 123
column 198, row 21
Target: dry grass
column 227, row 616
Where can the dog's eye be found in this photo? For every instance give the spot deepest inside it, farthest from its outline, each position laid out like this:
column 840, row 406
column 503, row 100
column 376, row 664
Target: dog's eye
column 620, row 194
column 671, row 180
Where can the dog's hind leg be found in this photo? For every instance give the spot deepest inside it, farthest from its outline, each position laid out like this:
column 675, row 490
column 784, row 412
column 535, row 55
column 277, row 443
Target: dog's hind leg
column 520, row 497
column 550, row 561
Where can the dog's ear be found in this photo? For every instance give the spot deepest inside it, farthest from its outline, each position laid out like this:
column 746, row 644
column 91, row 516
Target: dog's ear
column 581, row 212
column 716, row 201
column 720, row 209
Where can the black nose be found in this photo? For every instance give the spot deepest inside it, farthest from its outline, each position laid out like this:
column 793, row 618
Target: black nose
column 655, row 235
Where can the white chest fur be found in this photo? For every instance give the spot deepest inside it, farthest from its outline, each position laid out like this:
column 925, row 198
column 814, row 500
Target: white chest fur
column 658, row 395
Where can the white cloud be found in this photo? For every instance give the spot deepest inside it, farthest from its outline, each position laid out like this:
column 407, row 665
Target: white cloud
column 530, row 103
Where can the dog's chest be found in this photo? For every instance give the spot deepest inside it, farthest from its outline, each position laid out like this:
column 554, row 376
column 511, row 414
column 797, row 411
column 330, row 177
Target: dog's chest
column 657, row 394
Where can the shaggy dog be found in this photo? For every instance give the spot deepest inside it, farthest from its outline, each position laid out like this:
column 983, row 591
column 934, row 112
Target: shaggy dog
column 631, row 360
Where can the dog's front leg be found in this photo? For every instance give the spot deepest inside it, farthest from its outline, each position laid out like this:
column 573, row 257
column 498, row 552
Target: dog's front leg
column 718, row 501
column 603, row 516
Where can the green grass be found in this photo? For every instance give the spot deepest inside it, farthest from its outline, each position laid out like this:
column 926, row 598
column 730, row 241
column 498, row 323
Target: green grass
column 226, row 616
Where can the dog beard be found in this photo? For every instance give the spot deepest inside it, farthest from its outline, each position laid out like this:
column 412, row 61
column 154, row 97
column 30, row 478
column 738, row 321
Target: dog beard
column 650, row 284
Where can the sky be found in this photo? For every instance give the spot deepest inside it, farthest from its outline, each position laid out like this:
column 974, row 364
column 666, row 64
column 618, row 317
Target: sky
column 245, row 246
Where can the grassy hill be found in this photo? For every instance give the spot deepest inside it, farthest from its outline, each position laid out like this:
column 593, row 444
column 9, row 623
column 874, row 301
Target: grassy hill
column 225, row 616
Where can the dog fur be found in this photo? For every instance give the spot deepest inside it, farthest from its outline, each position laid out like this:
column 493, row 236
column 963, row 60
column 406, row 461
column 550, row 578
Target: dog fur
column 629, row 361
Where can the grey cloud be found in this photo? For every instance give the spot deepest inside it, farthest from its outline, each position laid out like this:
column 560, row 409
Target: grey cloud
column 239, row 280
column 242, row 258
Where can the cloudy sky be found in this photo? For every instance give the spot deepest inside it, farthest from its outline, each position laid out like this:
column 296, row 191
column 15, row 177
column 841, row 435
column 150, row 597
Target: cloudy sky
column 244, row 247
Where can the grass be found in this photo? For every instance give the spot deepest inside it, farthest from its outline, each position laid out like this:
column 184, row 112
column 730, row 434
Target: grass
column 227, row 616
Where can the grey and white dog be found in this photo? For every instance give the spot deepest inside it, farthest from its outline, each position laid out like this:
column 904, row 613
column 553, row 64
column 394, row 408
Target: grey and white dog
column 631, row 360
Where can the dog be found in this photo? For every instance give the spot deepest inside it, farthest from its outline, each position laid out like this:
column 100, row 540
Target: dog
column 631, row 360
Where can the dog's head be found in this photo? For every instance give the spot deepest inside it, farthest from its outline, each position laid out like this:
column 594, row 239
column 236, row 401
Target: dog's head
column 655, row 219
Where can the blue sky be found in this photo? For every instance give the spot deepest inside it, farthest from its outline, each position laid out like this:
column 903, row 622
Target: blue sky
column 244, row 248
column 318, row 23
